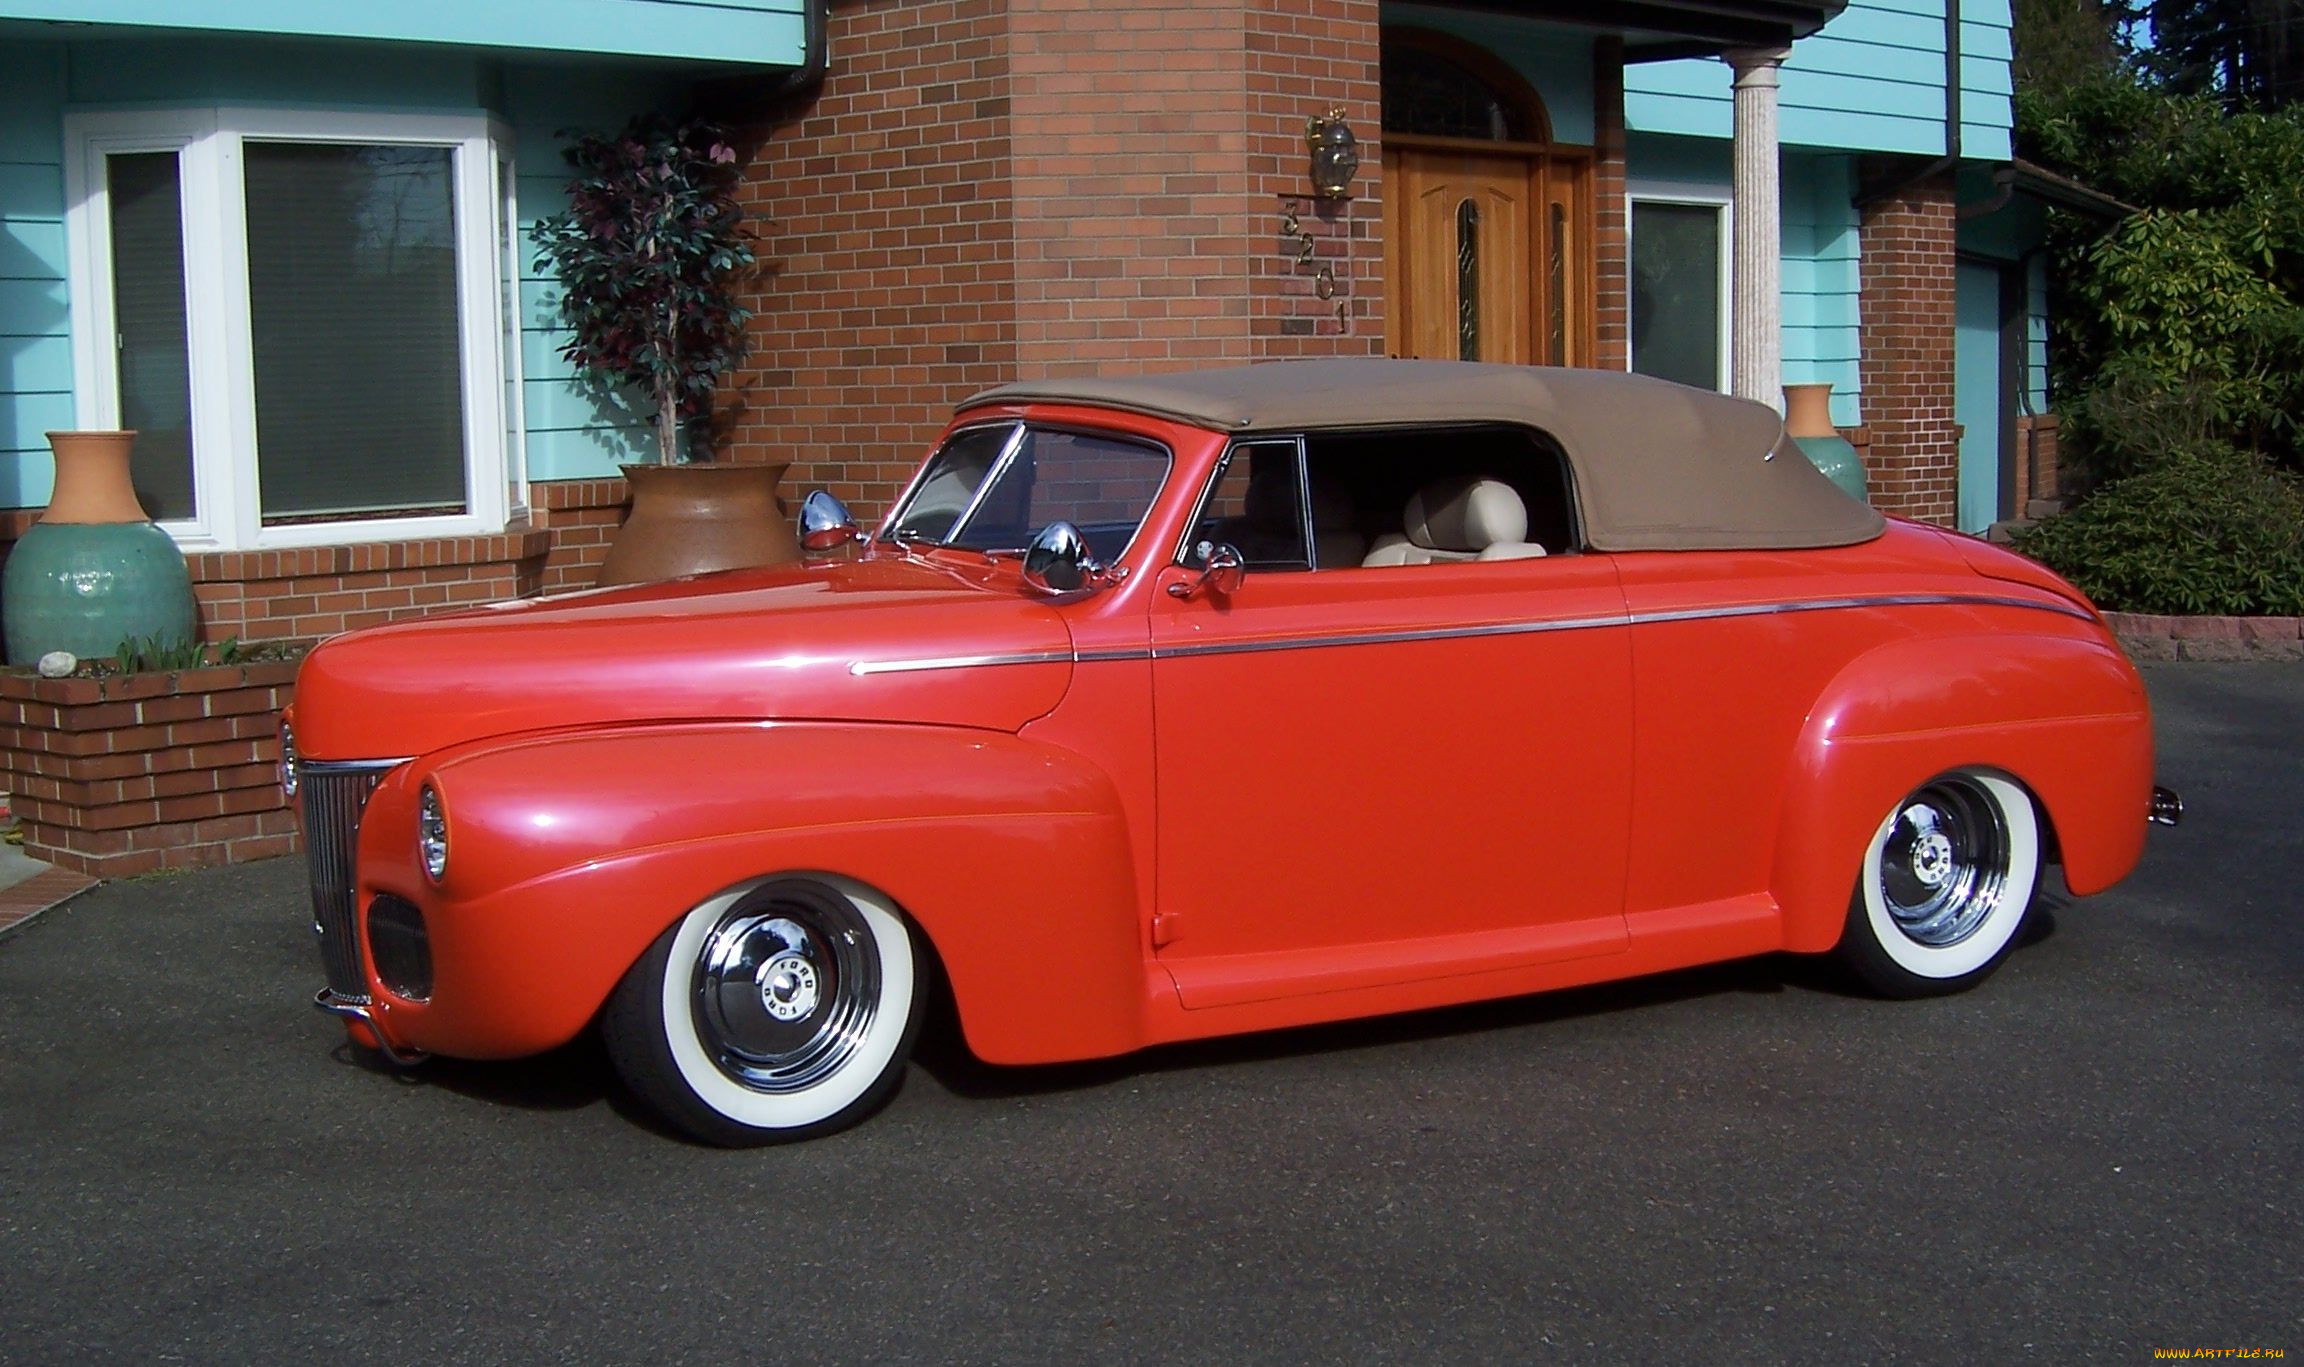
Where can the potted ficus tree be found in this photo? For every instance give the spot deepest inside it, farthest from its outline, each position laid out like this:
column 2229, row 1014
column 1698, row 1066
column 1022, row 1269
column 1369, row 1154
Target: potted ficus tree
column 648, row 255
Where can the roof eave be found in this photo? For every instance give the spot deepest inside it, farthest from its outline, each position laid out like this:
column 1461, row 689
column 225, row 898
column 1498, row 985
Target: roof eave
column 1657, row 30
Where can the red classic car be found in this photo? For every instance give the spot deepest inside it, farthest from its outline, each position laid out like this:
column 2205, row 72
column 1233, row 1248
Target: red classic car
column 1193, row 704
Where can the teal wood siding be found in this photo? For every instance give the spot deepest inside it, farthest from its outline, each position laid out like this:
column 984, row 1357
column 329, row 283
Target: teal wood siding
column 755, row 32
column 1819, row 251
column 571, row 434
column 35, row 330
column 1821, row 279
column 574, row 432
column 1872, row 80
column 2012, row 233
column 1555, row 62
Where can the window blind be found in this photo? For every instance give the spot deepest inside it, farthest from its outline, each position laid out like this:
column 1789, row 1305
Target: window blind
column 352, row 299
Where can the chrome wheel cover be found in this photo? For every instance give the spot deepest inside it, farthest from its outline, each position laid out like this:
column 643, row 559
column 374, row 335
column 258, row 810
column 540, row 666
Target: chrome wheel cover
column 1945, row 862
column 785, row 988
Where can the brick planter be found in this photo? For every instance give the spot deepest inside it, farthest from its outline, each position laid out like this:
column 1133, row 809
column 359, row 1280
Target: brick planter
column 137, row 772
column 2149, row 637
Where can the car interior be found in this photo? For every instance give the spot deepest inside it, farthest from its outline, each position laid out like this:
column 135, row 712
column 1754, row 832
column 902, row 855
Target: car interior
column 1382, row 499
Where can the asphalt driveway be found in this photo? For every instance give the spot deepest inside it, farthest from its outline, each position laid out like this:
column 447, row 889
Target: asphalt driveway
column 2098, row 1154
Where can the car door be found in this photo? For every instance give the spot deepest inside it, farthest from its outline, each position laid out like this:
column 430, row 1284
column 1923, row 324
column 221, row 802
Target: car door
column 1372, row 775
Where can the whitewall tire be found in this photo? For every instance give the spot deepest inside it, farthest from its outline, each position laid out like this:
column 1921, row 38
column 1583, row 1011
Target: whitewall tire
column 1948, row 879
column 779, row 1010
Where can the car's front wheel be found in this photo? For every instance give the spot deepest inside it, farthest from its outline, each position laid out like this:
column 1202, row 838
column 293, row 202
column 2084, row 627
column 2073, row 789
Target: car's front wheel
column 1947, row 880
column 776, row 1011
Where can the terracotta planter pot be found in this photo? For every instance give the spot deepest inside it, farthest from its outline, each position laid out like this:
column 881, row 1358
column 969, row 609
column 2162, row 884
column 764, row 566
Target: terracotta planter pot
column 94, row 571
column 688, row 519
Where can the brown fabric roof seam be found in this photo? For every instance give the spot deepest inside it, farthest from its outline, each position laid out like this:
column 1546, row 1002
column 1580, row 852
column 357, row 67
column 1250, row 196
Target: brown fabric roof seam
column 1658, row 465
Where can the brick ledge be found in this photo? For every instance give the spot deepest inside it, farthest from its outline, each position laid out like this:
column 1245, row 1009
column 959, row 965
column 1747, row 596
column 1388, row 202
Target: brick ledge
column 2152, row 636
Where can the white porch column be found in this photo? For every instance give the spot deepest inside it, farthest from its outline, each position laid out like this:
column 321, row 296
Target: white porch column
column 1756, row 351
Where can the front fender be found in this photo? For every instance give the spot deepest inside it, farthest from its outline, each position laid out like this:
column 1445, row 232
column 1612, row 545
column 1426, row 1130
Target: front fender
column 2065, row 716
column 570, row 853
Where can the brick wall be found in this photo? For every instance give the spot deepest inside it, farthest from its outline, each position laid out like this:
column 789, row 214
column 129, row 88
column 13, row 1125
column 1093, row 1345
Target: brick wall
column 988, row 191
column 313, row 592
column 888, row 280
column 1906, row 299
column 2038, row 475
column 138, row 772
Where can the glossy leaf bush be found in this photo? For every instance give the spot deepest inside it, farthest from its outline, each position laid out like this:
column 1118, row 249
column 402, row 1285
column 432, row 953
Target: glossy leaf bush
column 2207, row 530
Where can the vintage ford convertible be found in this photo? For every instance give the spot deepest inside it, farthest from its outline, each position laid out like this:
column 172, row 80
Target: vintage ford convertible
column 1179, row 706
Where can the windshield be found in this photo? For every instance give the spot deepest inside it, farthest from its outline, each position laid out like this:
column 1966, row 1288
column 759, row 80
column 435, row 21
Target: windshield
column 993, row 488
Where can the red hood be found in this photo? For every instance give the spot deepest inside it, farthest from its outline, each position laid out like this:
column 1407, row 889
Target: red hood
column 747, row 644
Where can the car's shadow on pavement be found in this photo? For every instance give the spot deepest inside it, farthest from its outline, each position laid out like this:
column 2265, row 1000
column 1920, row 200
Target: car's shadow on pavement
column 579, row 1075
column 946, row 1060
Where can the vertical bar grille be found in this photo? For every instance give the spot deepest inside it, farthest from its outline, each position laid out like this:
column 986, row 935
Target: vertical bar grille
column 332, row 798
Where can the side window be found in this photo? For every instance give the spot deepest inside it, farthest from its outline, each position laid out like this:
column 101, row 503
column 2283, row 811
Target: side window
column 1438, row 496
column 1257, row 507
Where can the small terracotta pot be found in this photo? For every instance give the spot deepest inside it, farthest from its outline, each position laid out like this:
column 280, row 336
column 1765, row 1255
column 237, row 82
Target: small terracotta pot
column 687, row 519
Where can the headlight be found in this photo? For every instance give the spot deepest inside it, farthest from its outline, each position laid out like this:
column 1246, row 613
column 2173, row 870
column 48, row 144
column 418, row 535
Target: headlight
column 432, row 833
column 287, row 761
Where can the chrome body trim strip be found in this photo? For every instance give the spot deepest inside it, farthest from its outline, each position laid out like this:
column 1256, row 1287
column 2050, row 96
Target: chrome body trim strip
column 863, row 668
column 1527, row 628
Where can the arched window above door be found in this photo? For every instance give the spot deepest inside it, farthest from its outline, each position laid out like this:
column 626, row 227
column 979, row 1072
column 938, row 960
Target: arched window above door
column 1441, row 87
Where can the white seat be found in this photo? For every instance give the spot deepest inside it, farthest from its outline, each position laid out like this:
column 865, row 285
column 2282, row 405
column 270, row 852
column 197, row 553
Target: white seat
column 1469, row 517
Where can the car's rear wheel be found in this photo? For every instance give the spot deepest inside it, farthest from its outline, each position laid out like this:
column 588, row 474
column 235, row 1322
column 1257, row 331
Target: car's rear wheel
column 1947, row 881
column 779, row 1010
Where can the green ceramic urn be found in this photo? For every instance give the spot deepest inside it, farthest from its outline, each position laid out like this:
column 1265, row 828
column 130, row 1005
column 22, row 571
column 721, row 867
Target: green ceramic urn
column 94, row 571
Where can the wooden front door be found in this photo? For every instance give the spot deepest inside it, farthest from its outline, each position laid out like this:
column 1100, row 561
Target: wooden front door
column 1486, row 253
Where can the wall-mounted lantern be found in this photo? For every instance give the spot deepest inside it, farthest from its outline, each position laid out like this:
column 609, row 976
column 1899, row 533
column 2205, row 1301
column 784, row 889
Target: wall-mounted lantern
column 1335, row 154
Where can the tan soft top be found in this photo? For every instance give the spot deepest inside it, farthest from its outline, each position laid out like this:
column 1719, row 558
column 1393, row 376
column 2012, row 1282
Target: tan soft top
column 1658, row 466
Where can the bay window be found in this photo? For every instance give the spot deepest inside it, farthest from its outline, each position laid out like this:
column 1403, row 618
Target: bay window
column 307, row 317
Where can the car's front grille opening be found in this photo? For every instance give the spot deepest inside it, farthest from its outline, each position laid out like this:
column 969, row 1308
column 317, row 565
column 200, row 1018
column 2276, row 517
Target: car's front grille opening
column 331, row 798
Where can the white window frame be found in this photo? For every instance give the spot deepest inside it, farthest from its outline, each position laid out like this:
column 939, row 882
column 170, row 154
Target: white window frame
column 1697, row 194
column 209, row 143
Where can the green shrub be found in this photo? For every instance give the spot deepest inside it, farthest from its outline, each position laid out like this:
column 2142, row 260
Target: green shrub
column 2207, row 529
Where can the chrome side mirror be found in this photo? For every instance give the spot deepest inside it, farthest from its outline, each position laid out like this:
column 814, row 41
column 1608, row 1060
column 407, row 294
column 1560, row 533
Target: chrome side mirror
column 826, row 524
column 1058, row 561
column 1222, row 568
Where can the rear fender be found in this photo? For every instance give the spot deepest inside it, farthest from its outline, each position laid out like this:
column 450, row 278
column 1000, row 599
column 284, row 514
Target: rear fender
column 570, row 853
column 2065, row 716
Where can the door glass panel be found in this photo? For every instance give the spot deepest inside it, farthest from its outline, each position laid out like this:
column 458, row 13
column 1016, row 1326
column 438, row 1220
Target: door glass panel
column 1467, row 281
column 352, row 302
column 144, row 191
column 1559, row 291
column 1257, row 508
column 1676, row 292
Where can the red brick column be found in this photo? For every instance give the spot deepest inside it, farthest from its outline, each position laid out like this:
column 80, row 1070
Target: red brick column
column 1611, row 245
column 1305, row 58
column 887, row 285
column 1907, row 337
column 989, row 191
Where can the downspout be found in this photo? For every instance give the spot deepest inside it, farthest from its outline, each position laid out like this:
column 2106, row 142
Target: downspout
column 737, row 100
column 1951, row 157
column 816, row 57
